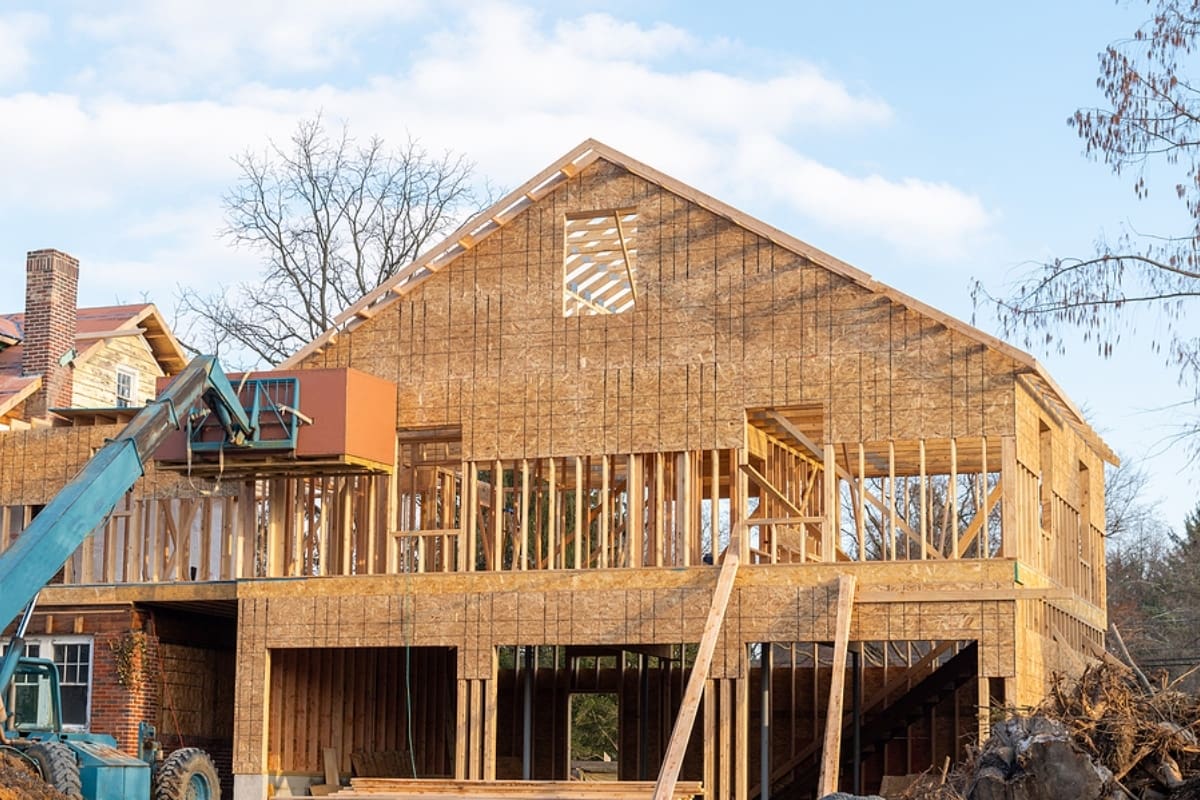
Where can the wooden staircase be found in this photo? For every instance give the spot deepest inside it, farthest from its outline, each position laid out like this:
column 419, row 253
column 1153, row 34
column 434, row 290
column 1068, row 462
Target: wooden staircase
column 882, row 725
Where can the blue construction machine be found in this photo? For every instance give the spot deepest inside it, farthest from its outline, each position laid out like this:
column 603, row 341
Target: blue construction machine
column 85, row 764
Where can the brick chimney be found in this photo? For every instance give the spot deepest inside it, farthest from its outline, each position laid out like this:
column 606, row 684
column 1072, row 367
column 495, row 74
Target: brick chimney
column 51, row 291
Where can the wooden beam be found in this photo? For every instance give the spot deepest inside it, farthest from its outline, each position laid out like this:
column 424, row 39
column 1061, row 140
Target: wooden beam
column 625, row 253
column 831, row 753
column 830, row 532
column 978, row 524
column 664, row 787
column 112, row 334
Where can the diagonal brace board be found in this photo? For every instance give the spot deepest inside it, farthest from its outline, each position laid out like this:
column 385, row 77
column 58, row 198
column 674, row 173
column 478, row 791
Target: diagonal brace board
column 831, row 753
column 668, row 776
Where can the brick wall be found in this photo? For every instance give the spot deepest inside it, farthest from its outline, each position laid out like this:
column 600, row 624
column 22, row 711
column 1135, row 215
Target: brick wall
column 51, row 292
column 125, row 684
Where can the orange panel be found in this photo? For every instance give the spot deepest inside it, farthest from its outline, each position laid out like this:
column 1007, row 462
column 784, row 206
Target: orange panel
column 353, row 414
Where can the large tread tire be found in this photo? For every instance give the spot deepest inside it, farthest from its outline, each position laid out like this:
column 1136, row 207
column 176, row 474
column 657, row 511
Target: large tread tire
column 187, row 774
column 58, row 766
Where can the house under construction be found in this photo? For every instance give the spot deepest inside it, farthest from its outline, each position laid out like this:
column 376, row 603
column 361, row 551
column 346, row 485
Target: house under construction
column 613, row 438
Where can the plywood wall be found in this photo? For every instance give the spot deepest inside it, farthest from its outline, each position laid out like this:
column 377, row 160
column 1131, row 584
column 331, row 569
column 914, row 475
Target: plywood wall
column 35, row 464
column 724, row 320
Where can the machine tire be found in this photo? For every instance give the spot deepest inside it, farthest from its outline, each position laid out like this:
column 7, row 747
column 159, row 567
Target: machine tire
column 187, row 774
column 57, row 764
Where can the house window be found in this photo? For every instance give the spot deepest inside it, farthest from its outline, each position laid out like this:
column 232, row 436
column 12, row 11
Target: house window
column 73, row 657
column 600, row 262
column 127, row 387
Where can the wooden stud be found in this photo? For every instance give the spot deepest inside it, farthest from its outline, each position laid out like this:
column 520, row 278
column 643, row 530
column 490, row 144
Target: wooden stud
column 923, row 487
column 526, row 528
column 952, row 498
column 605, row 510
column 829, row 530
column 554, row 530
column 1009, row 515
column 580, row 523
column 636, row 526
column 892, row 519
column 860, row 511
column 462, row 699
column 659, row 507
column 498, row 515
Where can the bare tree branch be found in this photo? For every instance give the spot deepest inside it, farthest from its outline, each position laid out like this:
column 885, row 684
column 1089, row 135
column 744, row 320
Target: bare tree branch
column 331, row 220
column 1153, row 122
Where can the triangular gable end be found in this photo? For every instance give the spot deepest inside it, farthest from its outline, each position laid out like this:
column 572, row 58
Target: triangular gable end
column 469, row 236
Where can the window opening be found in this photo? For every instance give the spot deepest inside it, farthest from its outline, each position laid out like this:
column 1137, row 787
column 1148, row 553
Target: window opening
column 600, row 263
column 127, row 386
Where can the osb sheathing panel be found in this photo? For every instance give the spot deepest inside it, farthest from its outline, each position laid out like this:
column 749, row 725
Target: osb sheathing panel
column 724, row 320
column 35, row 464
column 630, row 607
column 1074, row 462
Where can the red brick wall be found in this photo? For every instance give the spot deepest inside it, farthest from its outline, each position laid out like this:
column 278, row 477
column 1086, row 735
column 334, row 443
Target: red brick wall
column 125, row 684
column 51, row 291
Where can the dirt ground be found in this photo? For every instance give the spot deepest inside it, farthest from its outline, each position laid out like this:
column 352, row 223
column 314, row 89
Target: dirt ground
column 19, row 781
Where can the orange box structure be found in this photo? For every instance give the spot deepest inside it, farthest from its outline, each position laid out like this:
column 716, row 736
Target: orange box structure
column 346, row 416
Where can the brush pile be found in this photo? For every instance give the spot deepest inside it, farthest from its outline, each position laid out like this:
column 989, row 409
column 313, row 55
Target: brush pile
column 1108, row 734
column 1148, row 737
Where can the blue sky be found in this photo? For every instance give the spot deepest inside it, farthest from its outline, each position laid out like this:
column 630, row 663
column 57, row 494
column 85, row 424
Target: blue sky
column 924, row 142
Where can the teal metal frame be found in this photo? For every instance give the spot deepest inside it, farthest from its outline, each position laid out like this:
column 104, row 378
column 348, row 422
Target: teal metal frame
column 270, row 403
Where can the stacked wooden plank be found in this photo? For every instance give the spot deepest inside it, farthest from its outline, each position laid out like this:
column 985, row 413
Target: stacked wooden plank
column 397, row 788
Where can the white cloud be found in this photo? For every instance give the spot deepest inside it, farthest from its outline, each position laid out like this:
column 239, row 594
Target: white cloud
column 729, row 134
column 17, row 33
column 922, row 217
column 163, row 45
column 602, row 36
column 58, row 152
column 509, row 88
column 159, row 252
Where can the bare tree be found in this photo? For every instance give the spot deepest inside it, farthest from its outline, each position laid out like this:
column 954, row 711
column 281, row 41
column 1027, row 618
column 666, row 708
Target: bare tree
column 1153, row 123
column 1139, row 553
column 332, row 219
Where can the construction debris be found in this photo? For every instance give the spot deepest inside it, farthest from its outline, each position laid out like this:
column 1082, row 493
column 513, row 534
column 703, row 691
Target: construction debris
column 1102, row 735
column 20, row 781
column 1035, row 758
column 1148, row 740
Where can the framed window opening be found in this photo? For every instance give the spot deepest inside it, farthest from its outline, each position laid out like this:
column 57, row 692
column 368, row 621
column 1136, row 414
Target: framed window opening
column 600, row 262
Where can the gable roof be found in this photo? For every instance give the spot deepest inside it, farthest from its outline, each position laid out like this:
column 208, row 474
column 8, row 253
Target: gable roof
column 92, row 326
column 1034, row 377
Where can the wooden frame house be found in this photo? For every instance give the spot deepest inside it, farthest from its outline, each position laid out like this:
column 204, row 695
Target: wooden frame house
column 806, row 530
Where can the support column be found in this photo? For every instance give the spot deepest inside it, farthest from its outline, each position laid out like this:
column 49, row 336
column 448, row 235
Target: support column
column 251, row 710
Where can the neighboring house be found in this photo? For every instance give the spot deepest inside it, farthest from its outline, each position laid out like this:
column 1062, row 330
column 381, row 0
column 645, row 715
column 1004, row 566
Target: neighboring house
column 615, row 398
column 55, row 357
column 87, row 369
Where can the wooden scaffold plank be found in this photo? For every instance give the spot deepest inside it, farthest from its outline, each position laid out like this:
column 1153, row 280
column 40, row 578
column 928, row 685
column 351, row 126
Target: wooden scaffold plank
column 664, row 787
column 831, row 753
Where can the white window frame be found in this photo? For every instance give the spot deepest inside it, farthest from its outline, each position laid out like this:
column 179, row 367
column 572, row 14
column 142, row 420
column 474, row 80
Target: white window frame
column 46, row 645
column 133, row 375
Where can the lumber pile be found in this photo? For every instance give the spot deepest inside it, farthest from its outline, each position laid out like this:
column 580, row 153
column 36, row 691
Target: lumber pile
column 422, row 789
